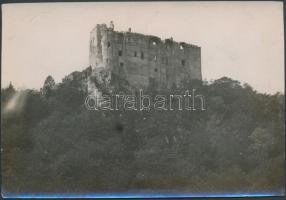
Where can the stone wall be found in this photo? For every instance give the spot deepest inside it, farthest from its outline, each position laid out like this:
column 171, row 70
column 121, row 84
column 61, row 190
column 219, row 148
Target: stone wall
column 143, row 60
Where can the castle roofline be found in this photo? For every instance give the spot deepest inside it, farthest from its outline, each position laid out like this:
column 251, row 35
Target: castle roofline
column 153, row 37
column 164, row 41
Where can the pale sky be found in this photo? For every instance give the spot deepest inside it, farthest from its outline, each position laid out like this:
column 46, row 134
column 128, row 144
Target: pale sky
column 241, row 40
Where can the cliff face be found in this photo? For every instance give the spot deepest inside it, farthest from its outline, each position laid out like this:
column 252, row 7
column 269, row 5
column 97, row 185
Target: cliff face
column 143, row 60
column 81, row 78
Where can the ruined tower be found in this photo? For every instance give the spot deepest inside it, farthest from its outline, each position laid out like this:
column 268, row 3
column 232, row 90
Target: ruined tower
column 143, row 60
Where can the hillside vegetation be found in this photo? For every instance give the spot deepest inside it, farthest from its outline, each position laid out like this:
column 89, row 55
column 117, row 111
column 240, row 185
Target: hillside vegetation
column 52, row 143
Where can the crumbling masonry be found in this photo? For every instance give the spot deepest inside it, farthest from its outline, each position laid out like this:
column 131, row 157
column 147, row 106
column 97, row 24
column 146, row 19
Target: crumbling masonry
column 142, row 60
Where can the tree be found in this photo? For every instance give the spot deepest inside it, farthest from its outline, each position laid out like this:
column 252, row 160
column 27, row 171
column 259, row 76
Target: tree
column 49, row 85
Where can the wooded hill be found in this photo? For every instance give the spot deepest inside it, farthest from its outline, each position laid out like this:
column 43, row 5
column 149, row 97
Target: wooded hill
column 52, row 143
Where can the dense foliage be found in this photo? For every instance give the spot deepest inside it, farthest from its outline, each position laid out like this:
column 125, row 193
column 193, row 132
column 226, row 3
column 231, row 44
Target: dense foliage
column 52, row 143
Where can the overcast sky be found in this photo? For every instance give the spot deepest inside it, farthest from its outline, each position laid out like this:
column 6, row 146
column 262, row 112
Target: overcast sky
column 241, row 40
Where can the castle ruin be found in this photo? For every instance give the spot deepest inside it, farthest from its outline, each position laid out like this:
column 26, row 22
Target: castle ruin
column 142, row 60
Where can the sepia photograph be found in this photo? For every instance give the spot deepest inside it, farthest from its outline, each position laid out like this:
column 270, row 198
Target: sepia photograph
column 142, row 99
